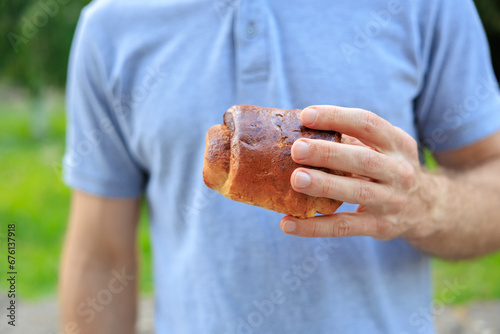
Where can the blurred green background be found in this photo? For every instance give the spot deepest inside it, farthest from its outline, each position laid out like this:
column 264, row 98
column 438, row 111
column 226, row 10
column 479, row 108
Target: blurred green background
column 33, row 62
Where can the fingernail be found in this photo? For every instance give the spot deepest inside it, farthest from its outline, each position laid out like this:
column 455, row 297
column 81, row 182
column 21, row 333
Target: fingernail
column 302, row 180
column 300, row 150
column 288, row 226
column 309, row 115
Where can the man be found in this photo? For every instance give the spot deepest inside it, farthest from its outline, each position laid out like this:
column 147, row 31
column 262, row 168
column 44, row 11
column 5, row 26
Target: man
column 147, row 79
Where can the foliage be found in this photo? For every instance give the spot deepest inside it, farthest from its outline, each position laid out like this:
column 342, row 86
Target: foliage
column 37, row 40
column 489, row 10
column 490, row 14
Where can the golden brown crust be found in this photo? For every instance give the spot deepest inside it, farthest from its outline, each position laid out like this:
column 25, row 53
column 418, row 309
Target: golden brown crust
column 248, row 159
column 217, row 154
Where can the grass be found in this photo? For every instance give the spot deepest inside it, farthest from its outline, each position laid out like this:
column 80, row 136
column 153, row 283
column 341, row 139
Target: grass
column 478, row 279
column 35, row 199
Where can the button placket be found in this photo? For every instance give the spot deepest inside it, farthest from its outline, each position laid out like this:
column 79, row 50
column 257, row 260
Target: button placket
column 250, row 31
column 251, row 41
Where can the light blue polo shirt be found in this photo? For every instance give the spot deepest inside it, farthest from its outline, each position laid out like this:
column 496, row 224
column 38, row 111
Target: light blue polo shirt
column 148, row 78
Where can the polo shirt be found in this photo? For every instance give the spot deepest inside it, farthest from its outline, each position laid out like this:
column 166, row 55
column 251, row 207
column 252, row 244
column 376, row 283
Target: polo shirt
column 148, row 78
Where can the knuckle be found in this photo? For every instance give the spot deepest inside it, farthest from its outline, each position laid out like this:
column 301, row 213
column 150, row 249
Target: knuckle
column 399, row 202
column 331, row 117
column 328, row 188
column 406, row 174
column 406, row 142
column 409, row 144
column 370, row 121
column 334, row 111
column 370, row 162
column 328, row 154
column 314, row 230
column 341, row 229
column 365, row 193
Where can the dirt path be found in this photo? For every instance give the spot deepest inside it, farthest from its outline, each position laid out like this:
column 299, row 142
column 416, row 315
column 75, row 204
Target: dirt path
column 42, row 318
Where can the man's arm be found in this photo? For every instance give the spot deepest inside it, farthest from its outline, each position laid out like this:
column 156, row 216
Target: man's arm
column 98, row 285
column 467, row 202
column 453, row 214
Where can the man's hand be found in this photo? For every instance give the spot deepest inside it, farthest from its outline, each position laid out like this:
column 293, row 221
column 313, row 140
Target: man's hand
column 396, row 196
column 386, row 181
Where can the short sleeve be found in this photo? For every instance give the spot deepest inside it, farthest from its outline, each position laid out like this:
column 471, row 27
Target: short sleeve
column 460, row 101
column 97, row 159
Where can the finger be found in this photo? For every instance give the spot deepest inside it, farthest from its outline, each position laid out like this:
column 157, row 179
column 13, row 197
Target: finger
column 352, row 141
column 346, row 189
column 359, row 160
column 343, row 224
column 369, row 128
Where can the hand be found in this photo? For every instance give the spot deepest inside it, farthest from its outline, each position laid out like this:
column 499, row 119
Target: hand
column 387, row 181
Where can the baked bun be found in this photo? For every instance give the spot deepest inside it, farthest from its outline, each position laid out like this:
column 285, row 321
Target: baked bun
column 247, row 159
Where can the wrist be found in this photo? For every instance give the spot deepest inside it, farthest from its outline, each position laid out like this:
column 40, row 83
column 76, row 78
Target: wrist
column 429, row 218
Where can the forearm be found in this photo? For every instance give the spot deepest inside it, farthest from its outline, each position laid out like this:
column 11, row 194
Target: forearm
column 97, row 295
column 462, row 211
column 98, row 277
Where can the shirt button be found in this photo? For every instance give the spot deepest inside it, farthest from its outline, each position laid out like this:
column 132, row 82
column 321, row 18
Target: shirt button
column 251, row 29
